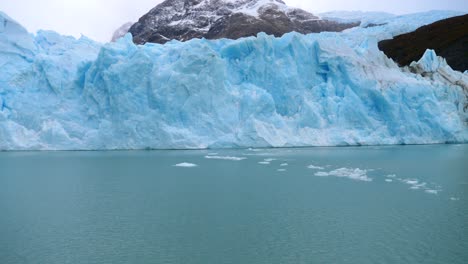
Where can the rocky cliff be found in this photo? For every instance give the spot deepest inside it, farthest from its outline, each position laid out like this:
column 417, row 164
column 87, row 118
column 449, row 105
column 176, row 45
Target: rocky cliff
column 448, row 37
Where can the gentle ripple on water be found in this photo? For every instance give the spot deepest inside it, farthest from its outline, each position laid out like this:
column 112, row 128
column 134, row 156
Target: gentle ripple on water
column 322, row 205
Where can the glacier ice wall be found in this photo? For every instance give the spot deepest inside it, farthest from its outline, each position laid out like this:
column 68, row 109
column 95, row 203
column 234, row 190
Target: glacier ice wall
column 325, row 89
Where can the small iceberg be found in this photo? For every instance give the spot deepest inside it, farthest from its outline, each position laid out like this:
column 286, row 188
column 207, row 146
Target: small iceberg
column 225, row 158
column 350, row 173
column 313, row 167
column 432, row 191
column 186, row 165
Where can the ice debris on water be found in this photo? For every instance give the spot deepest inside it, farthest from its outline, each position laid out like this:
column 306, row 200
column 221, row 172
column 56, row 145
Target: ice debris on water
column 350, row 173
column 416, row 184
column 225, row 158
column 186, row 165
column 313, row 167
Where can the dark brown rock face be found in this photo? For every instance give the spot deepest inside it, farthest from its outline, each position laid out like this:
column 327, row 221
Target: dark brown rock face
column 213, row 19
column 448, row 37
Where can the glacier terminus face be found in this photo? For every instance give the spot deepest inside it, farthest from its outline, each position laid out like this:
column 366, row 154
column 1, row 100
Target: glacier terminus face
column 327, row 89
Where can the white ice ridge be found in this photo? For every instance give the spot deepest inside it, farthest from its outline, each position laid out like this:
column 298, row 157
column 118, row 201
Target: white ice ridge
column 365, row 18
column 350, row 173
column 186, row 165
column 327, row 89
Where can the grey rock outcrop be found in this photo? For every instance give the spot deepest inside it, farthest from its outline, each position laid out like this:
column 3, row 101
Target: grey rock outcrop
column 213, row 19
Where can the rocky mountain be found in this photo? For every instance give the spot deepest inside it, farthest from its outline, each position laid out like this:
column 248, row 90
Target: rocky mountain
column 213, row 19
column 448, row 37
column 121, row 31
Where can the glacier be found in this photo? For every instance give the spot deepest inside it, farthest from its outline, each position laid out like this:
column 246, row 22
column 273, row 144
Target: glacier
column 326, row 89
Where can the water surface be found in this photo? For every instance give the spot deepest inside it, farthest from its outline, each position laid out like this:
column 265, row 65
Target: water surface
column 398, row 204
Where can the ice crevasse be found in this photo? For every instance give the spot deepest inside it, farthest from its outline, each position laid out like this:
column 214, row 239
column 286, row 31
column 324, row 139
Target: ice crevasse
column 327, row 89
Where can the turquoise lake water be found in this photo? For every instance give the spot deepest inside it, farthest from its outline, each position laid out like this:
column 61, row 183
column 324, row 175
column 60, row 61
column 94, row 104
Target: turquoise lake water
column 395, row 204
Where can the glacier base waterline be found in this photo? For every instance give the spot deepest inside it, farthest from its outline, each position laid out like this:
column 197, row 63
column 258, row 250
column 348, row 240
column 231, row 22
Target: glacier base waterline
column 327, row 89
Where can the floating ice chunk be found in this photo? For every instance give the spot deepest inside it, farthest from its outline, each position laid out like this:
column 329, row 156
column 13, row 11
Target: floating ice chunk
column 388, row 180
column 315, row 167
column 266, row 161
column 322, row 174
column 391, row 176
column 410, row 181
column 281, row 170
column 186, row 165
column 284, row 164
column 350, row 173
column 415, row 184
column 423, row 185
column 454, row 199
column 225, row 158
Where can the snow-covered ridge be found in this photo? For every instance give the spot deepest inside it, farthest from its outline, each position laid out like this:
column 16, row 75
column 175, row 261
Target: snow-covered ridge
column 324, row 89
column 357, row 16
column 219, row 7
column 252, row 8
